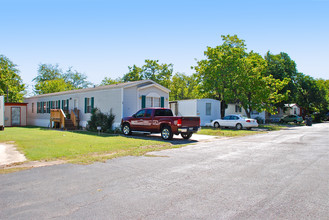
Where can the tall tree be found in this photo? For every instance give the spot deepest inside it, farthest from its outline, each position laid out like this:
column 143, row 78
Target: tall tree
column 281, row 67
column 183, row 87
column 11, row 84
column 51, row 86
column 109, row 81
column 76, row 79
column 219, row 71
column 51, row 79
column 160, row 73
column 256, row 90
column 134, row 74
column 311, row 96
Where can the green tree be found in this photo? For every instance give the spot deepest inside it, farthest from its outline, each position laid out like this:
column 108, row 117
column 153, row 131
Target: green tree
column 256, row 90
column 10, row 81
column 281, row 67
column 51, row 79
column 218, row 73
column 312, row 95
column 109, row 81
column 159, row 73
column 183, row 87
column 50, row 86
column 134, row 74
column 76, row 79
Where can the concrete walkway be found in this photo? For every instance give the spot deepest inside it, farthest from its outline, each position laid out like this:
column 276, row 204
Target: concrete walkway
column 9, row 154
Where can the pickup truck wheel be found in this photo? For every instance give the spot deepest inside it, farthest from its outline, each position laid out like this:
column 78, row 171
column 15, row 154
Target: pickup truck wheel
column 238, row 126
column 126, row 129
column 186, row 135
column 166, row 133
column 216, row 125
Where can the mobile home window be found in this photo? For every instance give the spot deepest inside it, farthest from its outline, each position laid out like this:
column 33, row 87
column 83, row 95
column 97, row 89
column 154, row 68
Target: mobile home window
column 89, row 104
column 38, row 107
column 32, row 107
column 237, row 108
column 48, row 107
column 208, row 108
column 44, row 107
column 152, row 102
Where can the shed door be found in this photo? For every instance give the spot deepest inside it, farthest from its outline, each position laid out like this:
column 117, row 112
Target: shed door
column 15, row 116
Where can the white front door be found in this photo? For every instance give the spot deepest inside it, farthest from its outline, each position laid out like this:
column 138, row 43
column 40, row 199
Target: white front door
column 15, row 116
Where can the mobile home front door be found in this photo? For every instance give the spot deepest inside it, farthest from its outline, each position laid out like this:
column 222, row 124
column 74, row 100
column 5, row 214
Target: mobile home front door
column 15, row 116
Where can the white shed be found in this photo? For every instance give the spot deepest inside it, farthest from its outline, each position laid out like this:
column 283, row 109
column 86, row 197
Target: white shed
column 2, row 113
column 122, row 100
column 207, row 109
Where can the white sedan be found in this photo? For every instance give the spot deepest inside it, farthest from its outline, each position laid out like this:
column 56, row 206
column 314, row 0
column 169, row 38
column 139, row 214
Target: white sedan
column 236, row 121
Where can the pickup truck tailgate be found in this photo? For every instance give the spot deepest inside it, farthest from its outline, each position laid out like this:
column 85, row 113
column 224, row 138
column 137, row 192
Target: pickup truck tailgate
column 190, row 121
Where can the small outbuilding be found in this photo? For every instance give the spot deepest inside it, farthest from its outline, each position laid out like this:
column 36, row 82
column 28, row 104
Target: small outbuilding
column 207, row 109
column 15, row 114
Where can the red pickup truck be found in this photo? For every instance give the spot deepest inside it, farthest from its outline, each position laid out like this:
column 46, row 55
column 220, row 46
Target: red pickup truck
column 160, row 120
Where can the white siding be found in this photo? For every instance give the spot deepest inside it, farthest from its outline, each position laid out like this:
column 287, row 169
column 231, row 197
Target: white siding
column 187, row 108
column 151, row 90
column 201, row 110
column 123, row 101
column 104, row 100
column 130, row 98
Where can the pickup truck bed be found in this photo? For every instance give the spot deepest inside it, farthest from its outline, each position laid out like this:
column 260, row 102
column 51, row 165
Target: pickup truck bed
column 160, row 120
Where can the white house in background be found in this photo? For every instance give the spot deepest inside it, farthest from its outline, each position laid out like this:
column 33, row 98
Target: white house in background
column 122, row 99
column 292, row 109
column 264, row 115
column 238, row 110
column 206, row 109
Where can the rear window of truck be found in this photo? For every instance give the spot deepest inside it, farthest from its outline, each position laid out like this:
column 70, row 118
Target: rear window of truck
column 163, row 112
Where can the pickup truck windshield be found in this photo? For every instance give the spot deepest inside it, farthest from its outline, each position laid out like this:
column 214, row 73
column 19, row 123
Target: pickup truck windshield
column 163, row 112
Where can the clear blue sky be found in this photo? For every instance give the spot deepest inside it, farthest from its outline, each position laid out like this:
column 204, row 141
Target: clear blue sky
column 102, row 38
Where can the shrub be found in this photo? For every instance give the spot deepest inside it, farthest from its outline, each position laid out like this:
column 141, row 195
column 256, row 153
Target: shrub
column 105, row 121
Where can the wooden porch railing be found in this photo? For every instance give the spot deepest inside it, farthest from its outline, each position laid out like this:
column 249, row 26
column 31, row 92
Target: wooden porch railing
column 75, row 117
column 57, row 115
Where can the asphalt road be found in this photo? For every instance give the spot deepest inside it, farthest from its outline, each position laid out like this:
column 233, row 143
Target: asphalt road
column 279, row 175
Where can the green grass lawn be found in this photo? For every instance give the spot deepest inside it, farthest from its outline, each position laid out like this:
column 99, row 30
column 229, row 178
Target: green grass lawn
column 78, row 147
column 226, row 132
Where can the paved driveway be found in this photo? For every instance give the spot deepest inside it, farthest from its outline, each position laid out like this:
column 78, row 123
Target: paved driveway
column 279, row 175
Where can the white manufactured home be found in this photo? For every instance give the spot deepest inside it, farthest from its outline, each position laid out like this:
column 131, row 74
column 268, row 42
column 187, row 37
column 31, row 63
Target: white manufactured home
column 207, row 109
column 122, row 100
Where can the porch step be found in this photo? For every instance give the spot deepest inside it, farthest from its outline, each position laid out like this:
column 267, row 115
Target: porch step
column 68, row 125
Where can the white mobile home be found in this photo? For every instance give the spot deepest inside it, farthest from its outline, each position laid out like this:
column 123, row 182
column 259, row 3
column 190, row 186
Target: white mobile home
column 207, row 109
column 264, row 115
column 122, row 100
column 236, row 109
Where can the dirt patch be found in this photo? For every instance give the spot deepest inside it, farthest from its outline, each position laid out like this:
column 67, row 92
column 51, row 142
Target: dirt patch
column 32, row 164
column 9, row 154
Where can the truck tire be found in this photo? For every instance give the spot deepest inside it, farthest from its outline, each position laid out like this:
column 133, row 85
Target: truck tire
column 166, row 133
column 186, row 136
column 126, row 129
column 216, row 125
